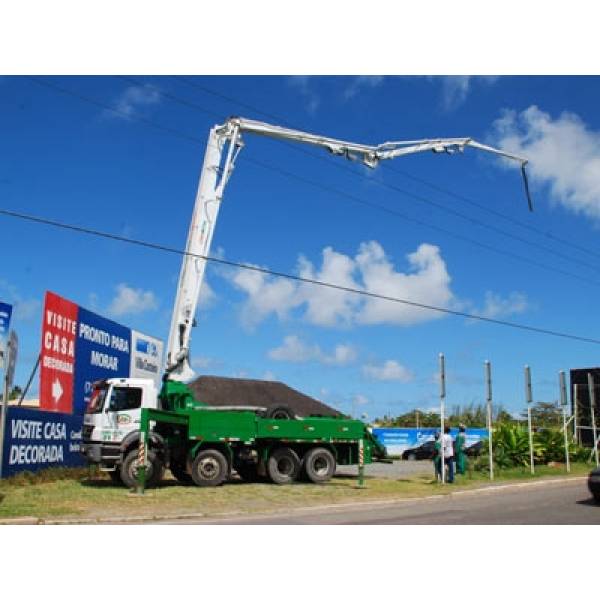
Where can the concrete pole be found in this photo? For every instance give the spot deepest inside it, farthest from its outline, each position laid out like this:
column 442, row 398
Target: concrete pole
column 529, row 397
column 488, row 390
column 563, row 402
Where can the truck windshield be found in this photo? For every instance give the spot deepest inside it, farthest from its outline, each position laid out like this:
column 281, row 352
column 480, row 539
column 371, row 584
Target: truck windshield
column 97, row 400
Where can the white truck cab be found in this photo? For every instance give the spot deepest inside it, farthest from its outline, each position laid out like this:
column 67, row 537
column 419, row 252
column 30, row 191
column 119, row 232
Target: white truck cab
column 112, row 418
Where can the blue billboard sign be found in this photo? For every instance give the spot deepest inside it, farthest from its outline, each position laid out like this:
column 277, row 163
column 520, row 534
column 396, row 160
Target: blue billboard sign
column 36, row 439
column 5, row 313
column 80, row 347
column 398, row 439
column 102, row 350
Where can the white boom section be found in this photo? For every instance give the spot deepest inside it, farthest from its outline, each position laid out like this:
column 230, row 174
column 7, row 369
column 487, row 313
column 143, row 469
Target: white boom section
column 224, row 144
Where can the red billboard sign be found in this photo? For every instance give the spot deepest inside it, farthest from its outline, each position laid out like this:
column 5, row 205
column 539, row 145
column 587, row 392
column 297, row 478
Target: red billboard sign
column 57, row 361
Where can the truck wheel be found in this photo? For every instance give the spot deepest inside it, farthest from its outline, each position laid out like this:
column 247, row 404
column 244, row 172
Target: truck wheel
column 319, row 465
column 180, row 474
column 283, row 466
column 280, row 411
column 129, row 469
column 209, row 468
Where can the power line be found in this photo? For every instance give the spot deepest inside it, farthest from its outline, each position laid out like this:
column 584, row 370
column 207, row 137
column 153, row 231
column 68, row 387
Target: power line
column 469, row 219
column 298, row 278
column 395, row 169
column 384, row 184
column 307, row 181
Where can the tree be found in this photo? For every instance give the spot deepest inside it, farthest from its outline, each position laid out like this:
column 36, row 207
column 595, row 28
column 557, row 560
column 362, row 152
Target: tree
column 545, row 414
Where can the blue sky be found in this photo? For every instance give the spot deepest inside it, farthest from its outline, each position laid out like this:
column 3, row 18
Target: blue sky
column 67, row 159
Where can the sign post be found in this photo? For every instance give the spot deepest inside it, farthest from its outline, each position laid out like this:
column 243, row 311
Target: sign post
column 563, row 402
column 442, row 400
column 488, row 388
column 9, row 372
column 592, row 392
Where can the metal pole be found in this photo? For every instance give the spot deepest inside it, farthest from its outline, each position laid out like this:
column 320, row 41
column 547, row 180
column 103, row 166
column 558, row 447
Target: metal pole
column 529, row 397
column 563, row 401
column 142, row 453
column 6, row 392
column 442, row 398
column 361, row 463
column 592, row 392
column 488, row 389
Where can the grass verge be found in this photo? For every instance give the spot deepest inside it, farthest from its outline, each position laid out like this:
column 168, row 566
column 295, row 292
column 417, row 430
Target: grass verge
column 78, row 493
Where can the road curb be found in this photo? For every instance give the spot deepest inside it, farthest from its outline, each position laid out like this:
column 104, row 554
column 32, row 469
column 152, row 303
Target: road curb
column 225, row 515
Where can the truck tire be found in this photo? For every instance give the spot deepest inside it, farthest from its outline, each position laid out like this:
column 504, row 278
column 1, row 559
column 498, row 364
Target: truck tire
column 280, row 411
column 180, row 474
column 248, row 472
column 210, row 468
column 319, row 465
column 129, row 469
column 283, row 466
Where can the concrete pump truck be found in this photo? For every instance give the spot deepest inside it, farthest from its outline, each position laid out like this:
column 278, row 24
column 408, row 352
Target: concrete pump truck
column 135, row 431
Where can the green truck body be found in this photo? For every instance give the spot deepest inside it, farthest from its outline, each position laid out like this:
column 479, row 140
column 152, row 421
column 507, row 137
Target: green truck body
column 192, row 438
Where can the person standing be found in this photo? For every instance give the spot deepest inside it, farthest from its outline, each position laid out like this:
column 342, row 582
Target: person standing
column 461, row 455
column 448, row 453
column 437, row 456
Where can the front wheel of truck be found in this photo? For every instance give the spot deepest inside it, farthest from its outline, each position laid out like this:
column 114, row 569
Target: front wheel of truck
column 129, row 469
column 210, row 468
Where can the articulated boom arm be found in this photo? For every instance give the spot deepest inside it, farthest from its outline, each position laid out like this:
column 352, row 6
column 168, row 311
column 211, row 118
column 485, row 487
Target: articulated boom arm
column 224, row 145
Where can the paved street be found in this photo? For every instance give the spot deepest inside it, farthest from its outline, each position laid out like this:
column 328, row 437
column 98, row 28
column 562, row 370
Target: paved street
column 560, row 502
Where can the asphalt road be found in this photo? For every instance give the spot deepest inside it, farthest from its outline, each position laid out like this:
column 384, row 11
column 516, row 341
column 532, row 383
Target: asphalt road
column 539, row 503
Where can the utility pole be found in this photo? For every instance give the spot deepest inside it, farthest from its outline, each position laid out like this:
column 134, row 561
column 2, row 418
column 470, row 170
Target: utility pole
column 488, row 390
column 442, row 400
column 563, row 402
column 592, row 392
column 529, row 398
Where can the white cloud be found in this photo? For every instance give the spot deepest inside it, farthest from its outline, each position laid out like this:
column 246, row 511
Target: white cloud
column 207, row 296
column 130, row 301
column 269, row 376
column 456, row 88
column 390, row 370
column 24, row 309
column 361, row 82
column 295, row 350
column 132, row 99
column 326, row 306
column 202, row 362
column 496, row 306
column 303, row 84
column 266, row 295
column 563, row 153
column 426, row 281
